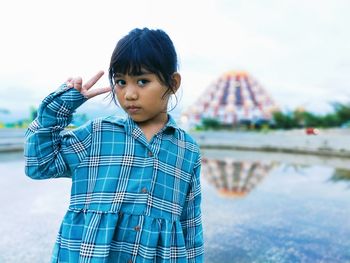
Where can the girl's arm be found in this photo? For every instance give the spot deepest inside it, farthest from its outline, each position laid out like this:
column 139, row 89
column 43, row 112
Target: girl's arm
column 191, row 220
column 49, row 151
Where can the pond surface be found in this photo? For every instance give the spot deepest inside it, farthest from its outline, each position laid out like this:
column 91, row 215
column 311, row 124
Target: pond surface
column 260, row 207
column 257, row 207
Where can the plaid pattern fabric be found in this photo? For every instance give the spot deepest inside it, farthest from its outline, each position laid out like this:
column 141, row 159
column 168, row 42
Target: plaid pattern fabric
column 131, row 200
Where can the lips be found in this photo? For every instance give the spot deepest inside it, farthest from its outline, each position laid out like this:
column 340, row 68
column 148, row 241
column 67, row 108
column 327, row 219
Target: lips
column 132, row 108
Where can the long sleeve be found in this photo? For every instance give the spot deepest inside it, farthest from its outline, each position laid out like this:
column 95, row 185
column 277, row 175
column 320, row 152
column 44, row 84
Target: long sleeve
column 191, row 220
column 49, row 150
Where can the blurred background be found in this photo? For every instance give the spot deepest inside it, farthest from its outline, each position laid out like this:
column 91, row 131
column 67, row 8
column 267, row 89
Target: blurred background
column 265, row 92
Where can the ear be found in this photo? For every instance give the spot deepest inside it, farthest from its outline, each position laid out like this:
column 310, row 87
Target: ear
column 176, row 79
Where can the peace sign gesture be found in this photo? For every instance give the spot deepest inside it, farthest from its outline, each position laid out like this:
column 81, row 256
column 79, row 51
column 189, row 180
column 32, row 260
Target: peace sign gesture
column 77, row 83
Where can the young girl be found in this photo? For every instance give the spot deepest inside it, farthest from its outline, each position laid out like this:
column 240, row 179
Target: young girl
column 135, row 193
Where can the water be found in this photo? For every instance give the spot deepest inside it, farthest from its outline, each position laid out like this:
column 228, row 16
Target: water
column 257, row 207
column 260, row 207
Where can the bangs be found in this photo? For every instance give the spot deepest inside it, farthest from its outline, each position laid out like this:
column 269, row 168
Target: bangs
column 134, row 59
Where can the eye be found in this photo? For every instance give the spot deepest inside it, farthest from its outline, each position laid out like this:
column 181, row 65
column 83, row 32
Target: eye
column 120, row 82
column 142, row 82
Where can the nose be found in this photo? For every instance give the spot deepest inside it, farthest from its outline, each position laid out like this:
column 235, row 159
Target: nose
column 131, row 93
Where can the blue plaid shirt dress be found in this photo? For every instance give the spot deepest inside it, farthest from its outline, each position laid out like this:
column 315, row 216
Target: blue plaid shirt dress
column 131, row 200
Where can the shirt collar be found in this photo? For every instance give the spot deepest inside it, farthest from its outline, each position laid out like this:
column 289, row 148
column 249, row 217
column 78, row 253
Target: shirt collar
column 129, row 125
column 171, row 123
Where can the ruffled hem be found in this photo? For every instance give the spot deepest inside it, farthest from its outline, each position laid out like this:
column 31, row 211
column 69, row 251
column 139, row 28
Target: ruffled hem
column 93, row 236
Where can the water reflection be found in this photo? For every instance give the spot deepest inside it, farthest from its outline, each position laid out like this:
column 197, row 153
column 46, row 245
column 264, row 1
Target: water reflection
column 296, row 208
column 234, row 178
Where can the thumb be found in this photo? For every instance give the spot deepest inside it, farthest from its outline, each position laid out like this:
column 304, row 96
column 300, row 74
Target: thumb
column 77, row 83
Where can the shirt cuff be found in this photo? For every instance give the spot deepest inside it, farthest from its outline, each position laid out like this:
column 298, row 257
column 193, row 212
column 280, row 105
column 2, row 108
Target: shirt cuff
column 72, row 97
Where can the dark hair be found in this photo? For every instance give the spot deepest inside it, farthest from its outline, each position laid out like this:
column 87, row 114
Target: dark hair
column 147, row 49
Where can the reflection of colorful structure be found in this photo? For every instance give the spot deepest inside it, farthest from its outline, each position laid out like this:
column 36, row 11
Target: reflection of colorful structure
column 234, row 97
column 234, row 178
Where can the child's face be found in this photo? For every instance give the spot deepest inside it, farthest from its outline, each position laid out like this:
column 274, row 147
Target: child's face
column 142, row 97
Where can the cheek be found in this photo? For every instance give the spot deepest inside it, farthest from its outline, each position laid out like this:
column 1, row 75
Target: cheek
column 157, row 99
column 120, row 98
column 118, row 93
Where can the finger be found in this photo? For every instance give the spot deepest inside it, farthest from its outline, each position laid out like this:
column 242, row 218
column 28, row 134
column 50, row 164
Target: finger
column 93, row 80
column 69, row 82
column 97, row 92
column 77, row 83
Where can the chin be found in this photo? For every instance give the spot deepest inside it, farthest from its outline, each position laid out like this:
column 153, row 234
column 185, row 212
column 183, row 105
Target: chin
column 136, row 118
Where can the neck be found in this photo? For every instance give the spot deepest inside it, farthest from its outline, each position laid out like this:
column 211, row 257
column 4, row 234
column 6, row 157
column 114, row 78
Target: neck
column 151, row 127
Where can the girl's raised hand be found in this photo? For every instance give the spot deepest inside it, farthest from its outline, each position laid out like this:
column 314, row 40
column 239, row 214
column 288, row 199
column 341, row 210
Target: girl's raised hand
column 77, row 83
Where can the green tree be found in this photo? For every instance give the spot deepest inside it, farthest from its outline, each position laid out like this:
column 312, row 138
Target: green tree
column 342, row 111
column 210, row 123
column 284, row 121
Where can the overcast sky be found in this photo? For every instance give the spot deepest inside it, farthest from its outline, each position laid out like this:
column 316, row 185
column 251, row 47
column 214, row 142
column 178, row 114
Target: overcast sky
column 298, row 50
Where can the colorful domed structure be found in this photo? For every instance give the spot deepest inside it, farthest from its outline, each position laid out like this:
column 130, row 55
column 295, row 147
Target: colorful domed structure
column 233, row 98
